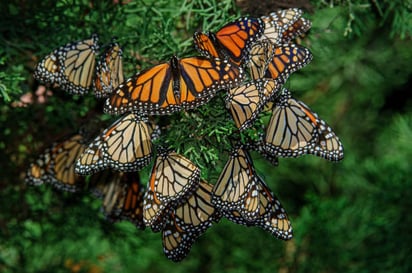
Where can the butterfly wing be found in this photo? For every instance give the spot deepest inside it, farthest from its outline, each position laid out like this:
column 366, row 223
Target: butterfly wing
column 173, row 177
column 188, row 221
column 91, row 160
column 121, row 194
column 261, row 54
column 271, row 216
column 328, row 144
column 200, row 79
column 127, row 144
column 205, row 44
column 109, row 71
column 237, row 37
column 124, row 146
column 71, row 67
column 235, row 184
column 247, row 101
column 294, row 129
column 286, row 60
column 150, row 91
column 291, row 131
column 36, row 174
column 284, row 25
column 56, row 165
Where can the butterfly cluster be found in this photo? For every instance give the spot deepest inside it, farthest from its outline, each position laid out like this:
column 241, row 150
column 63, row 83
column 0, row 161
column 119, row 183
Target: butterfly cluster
column 250, row 59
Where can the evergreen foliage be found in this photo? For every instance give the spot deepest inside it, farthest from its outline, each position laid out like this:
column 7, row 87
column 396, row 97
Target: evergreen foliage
column 347, row 217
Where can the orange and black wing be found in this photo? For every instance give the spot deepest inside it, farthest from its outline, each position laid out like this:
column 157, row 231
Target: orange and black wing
column 170, row 87
column 150, row 91
column 71, row 67
column 238, row 36
column 232, row 41
column 200, row 79
column 286, row 60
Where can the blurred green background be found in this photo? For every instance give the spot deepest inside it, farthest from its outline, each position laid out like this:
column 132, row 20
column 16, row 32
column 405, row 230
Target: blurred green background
column 352, row 216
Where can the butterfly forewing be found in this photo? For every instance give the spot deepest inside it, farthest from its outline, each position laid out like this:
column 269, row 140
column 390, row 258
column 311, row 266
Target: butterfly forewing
column 121, row 194
column 232, row 41
column 124, row 146
column 71, row 67
column 287, row 59
column 248, row 100
column 291, row 132
column 173, row 178
column 261, row 54
column 56, row 165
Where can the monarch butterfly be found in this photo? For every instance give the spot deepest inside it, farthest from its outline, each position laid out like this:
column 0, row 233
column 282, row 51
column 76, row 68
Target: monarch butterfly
column 71, row 66
column 284, row 25
column 173, row 177
column 56, row 165
column 109, row 71
column 232, row 41
column 234, row 189
column 122, row 195
column 246, row 101
column 124, row 146
column 284, row 61
column 294, row 129
column 261, row 54
column 271, row 216
column 188, row 221
column 170, row 87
